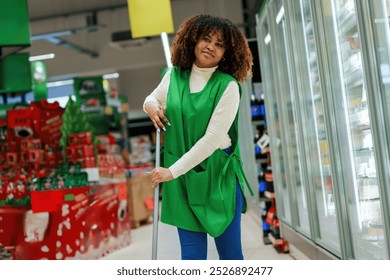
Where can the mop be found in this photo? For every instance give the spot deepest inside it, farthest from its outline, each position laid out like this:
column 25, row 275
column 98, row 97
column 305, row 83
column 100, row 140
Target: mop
column 165, row 43
column 156, row 200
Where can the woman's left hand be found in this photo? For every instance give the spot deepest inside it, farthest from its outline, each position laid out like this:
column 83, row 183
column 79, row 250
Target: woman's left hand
column 159, row 175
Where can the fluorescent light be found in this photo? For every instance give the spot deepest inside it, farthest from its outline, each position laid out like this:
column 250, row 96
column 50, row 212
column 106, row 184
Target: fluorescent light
column 267, row 39
column 60, row 83
column 167, row 51
column 42, row 57
column 111, row 76
column 280, row 15
column 70, row 81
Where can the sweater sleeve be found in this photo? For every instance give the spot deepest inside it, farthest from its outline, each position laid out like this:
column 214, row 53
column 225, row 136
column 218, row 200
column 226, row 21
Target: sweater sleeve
column 159, row 94
column 220, row 122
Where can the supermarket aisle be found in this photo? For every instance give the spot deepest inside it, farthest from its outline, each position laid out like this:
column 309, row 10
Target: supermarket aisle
column 169, row 249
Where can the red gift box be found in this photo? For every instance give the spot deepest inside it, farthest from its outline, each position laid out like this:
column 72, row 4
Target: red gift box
column 47, row 121
column 36, row 156
column 89, row 162
column 75, row 152
column 24, row 156
column 11, row 158
column 84, row 138
column 27, row 144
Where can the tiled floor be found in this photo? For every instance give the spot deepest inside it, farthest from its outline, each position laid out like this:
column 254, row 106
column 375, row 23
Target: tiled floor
column 169, row 248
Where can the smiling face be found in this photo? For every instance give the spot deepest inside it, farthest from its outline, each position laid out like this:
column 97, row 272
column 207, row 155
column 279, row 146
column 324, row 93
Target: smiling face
column 209, row 50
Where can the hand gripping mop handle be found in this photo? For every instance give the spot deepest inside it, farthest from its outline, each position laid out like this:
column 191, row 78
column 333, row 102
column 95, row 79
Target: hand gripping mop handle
column 156, row 200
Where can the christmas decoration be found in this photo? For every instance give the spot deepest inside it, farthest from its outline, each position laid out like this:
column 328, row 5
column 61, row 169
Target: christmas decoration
column 74, row 122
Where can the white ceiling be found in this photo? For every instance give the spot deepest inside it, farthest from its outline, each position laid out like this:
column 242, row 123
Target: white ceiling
column 39, row 9
column 58, row 15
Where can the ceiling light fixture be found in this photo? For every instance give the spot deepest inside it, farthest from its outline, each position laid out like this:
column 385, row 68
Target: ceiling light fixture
column 41, row 57
column 70, row 81
column 111, row 76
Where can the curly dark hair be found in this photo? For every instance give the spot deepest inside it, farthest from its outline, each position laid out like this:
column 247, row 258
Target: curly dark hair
column 238, row 58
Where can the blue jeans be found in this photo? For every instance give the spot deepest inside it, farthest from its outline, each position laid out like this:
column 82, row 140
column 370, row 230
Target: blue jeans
column 194, row 244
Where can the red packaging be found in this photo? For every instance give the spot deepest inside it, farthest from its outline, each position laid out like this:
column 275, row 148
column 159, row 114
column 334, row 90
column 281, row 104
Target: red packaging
column 3, row 189
column 20, row 117
column 36, row 156
column 27, row 144
column 24, row 156
column 75, row 152
column 11, row 158
column 12, row 146
column 47, row 121
column 89, row 162
column 270, row 215
column 84, row 138
column 3, row 147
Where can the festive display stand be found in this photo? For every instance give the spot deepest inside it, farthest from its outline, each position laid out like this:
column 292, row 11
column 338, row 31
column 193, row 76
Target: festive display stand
column 63, row 191
column 88, row 223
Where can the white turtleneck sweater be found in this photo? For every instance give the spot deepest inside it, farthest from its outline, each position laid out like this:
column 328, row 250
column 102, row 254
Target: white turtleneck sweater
column 216, row 136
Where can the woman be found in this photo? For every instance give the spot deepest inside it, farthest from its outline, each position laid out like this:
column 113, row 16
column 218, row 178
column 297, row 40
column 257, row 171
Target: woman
column 196, row 104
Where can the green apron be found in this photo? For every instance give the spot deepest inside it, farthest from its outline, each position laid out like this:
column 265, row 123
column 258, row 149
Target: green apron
column 203, row 199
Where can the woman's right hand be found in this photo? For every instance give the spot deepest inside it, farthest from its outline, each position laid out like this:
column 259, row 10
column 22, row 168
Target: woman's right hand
column 157, row 115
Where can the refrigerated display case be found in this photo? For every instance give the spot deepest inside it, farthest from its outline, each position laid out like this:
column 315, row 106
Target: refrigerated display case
column 290, row 135
column 348, row 79
column 373, row 17
column 314, row 117
column 326, row 88
column 274, row 122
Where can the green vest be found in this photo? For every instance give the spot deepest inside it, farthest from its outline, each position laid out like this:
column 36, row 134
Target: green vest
column 203, row 199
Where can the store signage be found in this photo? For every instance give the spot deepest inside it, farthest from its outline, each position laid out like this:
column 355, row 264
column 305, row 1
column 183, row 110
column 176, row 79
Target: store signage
column 39, row 74
column 150, row 18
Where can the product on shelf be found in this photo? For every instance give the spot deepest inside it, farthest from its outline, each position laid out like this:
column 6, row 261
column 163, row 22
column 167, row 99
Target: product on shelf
column 257, row 108
column 50, row 208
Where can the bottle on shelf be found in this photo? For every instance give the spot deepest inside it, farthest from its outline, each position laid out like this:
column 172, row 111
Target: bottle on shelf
column 259, row 152
column 275, row 228
column 266, row 227
column 262, row 108
column 262, row 186
column 255, row 108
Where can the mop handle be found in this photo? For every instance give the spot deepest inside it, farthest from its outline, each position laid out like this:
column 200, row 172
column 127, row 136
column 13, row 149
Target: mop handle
column 156, row 200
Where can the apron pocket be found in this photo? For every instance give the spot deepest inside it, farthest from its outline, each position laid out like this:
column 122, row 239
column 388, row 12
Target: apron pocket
column 169, row 159
column 197, row 187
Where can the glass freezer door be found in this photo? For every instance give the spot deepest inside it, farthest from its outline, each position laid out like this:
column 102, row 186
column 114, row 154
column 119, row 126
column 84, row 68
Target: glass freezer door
column 274, row 123
column 375, row 20
column 287, row 104
column 354, row 133
column 312, row 111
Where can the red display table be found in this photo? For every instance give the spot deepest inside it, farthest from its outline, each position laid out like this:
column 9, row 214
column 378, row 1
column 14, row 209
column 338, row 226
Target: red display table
column 80, row 223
